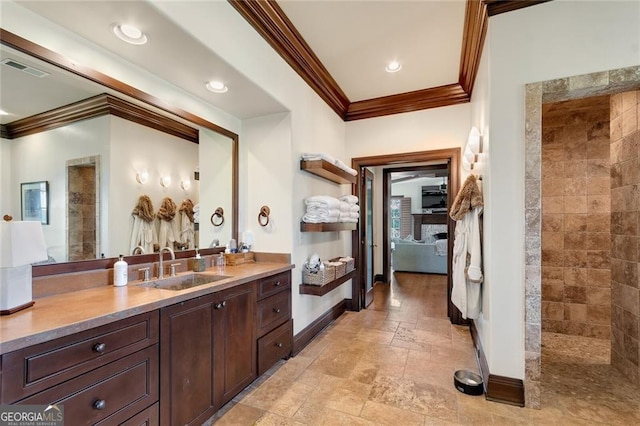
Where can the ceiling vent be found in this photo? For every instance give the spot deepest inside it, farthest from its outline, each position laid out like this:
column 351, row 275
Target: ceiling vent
column 25, row 68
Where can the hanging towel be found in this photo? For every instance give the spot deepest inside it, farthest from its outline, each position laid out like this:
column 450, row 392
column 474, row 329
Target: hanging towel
column 467, row 255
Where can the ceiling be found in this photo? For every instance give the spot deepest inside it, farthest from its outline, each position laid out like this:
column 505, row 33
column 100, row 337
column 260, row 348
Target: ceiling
column 339, row 47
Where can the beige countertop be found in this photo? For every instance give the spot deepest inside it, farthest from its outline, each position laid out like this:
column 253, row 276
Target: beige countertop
column 63, row 314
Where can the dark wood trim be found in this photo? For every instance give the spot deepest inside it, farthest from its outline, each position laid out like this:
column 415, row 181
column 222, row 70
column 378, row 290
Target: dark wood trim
column 327, row 227
column 495, row 7
column 497, row 388
column 107, row 263
column 435, row 97
column 474, row 32
column 268, row 19
column 23, row 45
column 321, row 290
column 326, row 170
column 97, row 106
column 305, row 336
column 380, row 278
column 4, row 133
column 448, row 155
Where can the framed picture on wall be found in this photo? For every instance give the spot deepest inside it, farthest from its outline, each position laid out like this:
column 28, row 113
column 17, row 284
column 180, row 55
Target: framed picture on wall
column 35, row 201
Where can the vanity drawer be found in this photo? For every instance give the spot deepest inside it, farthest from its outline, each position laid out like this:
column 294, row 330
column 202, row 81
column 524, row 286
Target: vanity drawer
column 273, row 311
column 32, row 369
column 275, row 345
column 274, row 284
column 148, row 417
column 110, row 394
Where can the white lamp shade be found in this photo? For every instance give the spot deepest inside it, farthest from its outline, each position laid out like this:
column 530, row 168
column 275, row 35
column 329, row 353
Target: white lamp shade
column 21, row 243
column 473, row 142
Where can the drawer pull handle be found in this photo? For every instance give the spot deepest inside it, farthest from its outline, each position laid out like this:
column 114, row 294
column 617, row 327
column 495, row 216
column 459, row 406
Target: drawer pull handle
column 279, row 345
column 100, row 404
column 224, row 303
column 217, row 306
column 276, row 310
column 100, row 347
column 277, row 283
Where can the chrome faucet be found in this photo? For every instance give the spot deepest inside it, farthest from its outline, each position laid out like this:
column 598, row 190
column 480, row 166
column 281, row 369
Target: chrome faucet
column 161, row 266
column 138, row 249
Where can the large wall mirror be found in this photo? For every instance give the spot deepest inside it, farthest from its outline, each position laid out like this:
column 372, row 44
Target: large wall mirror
column 100, row 145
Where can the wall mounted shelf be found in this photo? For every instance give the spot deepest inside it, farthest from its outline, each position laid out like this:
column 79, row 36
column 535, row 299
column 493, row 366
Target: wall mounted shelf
column 321, row 290
column 327, row 170
column 327, row 227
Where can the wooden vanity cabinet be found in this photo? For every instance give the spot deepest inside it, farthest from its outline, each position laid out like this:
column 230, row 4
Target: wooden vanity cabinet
column 208, row 351
column 105, row 375
column 274, row 323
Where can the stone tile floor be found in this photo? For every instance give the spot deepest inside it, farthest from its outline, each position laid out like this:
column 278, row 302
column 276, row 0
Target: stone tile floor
column 393, row 364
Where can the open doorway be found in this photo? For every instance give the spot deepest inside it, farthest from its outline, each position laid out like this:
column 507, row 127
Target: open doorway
column 450, row 157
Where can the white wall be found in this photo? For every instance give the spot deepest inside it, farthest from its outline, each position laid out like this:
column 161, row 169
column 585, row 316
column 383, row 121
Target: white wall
column 6, row 199
column 133, row 147
column 547, row 41
column 42, row 157
column 216, row 168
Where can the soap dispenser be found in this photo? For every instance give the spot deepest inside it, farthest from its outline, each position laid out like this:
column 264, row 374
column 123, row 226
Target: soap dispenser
column 120, row 273
column 197, row 264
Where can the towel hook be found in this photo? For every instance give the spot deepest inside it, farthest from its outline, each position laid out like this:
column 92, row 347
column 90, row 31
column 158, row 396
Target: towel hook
column 219, row 214
column 263, row 216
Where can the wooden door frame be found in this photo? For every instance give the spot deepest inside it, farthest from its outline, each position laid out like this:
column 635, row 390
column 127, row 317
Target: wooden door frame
column 448, row 155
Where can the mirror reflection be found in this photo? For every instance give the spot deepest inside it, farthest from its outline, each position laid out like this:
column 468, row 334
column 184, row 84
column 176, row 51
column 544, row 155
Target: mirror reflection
column 98, row 169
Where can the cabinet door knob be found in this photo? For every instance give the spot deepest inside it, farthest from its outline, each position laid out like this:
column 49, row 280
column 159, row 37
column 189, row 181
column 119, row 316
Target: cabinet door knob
column 100, row 404
column 224, row 303
column 279, row 345
column 276, row 310
column 277, row 283
column 100, row 347
column 217, row 306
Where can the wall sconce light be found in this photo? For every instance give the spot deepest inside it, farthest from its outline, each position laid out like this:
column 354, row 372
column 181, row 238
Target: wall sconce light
column 165, row 181
column 185, row 184
column 473, row 159
column 142, row 176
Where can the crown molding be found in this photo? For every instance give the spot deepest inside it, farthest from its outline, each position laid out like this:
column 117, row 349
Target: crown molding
column 434, row 97
column 270, row 21
column 495, row 7
column 97, row 106
column 474, row 31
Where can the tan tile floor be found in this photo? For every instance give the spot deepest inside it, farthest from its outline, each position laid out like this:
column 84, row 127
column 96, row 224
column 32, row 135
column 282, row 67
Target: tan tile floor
column 393, row 364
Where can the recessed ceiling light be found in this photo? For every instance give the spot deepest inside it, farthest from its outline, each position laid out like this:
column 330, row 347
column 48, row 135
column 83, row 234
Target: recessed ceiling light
column 217, row 87
column 393, row 66
column 130, row 34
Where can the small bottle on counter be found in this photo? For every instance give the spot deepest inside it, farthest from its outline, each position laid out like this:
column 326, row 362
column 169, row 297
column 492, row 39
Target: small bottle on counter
column 220, row 262
column 197, row 264
column 120, row 273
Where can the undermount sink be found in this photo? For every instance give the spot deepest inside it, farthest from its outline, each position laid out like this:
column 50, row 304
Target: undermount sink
column 182, row 282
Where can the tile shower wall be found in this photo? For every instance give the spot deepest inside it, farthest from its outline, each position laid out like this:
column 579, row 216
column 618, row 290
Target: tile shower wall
column 81, row 217
column 625, row 238
column 576, row 277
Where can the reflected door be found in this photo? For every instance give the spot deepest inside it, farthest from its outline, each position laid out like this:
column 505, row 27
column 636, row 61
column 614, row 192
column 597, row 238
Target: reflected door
column 368, row 245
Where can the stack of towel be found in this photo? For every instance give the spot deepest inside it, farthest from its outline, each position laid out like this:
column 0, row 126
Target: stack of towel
column 330, row 159
column 349, row 208
column 327, row 209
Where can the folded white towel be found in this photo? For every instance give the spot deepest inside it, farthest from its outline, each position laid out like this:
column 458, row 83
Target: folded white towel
column 323, row 201
column 351, row 199
column 322, row 212
column 354, row 214
column 346, row 168
column 310, row 156
column 349, row 219
column 355, row 208
column 345, row 207
column 317, row 219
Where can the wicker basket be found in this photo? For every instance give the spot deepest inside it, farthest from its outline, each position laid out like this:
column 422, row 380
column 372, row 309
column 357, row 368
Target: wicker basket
column 319, row 277
column 340, row 269
column 233, row 259
column 351, row 265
